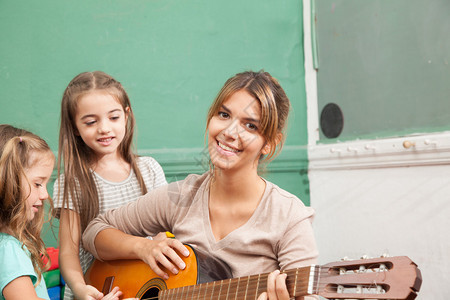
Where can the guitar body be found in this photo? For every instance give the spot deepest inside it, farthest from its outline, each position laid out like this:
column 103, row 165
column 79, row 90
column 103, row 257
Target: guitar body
column 137, row 280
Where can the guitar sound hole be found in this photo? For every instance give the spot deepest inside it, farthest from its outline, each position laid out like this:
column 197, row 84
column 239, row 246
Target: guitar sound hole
column 151, row 293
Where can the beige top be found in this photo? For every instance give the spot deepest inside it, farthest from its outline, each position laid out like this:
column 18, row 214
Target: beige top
column 277, row 236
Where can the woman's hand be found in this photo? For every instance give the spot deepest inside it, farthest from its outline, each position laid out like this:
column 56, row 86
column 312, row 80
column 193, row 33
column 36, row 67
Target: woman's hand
column 276, row 287
column 162, row 252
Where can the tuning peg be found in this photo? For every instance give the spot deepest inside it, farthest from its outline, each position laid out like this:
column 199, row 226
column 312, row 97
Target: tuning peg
column 365, row 256
column 384, row 255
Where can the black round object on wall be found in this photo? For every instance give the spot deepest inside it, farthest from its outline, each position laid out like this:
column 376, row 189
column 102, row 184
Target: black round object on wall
column 331, row 120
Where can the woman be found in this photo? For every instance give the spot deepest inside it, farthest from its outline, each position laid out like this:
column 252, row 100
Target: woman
column 230, row 211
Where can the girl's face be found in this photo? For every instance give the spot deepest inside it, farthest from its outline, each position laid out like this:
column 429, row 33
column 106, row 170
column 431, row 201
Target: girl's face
column 34, row 185
column 101, row 122
column 234, row 139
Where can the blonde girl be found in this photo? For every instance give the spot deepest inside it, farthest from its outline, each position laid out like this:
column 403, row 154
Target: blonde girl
column 230, row 211
column 26, row 164
column 97, row 168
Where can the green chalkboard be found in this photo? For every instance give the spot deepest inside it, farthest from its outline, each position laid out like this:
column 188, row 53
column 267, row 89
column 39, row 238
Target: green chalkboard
column 385, row 64
column 171, row 56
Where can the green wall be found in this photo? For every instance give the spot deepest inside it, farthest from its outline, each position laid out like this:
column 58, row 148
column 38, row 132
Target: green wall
column 386, row 64
column 172, row 58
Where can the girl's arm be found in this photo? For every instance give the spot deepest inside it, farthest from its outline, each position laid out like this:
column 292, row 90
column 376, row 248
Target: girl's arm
column 20, row 288
column 70, row 236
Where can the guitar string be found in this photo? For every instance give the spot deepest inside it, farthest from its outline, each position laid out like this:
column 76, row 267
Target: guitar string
column 324, row 273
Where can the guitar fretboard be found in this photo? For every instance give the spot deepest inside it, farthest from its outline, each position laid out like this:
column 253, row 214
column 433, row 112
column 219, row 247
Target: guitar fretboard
column 300, row 282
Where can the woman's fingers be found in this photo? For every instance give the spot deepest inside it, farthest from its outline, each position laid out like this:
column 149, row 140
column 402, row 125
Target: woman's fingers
column 276, row 287
column 164, row 254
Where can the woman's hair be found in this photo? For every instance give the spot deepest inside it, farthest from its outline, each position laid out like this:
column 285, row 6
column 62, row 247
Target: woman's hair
column 76, row 158
column 272, row 99
column 19, row 151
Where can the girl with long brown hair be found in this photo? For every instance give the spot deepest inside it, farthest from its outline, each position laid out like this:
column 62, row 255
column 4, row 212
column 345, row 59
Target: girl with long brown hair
column 97, row 168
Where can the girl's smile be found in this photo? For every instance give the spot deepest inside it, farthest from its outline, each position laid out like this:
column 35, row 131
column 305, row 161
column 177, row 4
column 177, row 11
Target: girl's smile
column 35, row 183
column 101, row 122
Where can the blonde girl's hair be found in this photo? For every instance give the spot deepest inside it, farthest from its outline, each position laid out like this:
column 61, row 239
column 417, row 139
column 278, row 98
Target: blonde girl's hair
column 273, row 102
column 19, row 151
column 75, row 158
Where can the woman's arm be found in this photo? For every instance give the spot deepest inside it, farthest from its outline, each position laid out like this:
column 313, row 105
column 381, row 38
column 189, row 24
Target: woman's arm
column 120, row 233
column 20, row 288
column 114, row 244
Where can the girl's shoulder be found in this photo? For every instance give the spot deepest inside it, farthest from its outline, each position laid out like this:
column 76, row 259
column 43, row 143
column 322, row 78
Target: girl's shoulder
column 8, row 240
column 11, row 248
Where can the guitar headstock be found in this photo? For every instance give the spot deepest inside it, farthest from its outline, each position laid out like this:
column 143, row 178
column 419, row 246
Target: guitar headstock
column 396, row 278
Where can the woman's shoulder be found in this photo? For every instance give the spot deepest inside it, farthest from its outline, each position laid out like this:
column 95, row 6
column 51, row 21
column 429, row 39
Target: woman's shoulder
column 283, row 200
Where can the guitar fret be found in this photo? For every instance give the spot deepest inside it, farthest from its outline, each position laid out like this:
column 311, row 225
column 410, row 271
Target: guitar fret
column 198, row 290
column 206, row 290
column 246, row 288
column 220, row 290
column 257, row 286
column 212, row 293
column 237, row 288
column 182, row 293
column 228, row 290
column 295, row 283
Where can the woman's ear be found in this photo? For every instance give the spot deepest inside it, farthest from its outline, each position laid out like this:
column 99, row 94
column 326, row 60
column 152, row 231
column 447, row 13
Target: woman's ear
column 266, row 149
column 268, row 146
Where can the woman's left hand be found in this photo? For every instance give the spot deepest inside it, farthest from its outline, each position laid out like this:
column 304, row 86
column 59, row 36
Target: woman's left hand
column 276, row 287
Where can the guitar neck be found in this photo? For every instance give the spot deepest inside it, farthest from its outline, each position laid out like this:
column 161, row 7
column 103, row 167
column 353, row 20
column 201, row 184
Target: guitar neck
column 300, row 282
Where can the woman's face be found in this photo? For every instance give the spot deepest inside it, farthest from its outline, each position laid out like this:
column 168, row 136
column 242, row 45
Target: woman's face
column 234, row 139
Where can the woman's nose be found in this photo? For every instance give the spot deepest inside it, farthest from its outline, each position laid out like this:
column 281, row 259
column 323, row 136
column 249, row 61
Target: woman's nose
column 233, row 130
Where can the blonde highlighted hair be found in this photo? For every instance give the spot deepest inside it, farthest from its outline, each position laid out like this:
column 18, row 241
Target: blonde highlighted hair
column 272, row 99
column 75, row 158
column 19, row 151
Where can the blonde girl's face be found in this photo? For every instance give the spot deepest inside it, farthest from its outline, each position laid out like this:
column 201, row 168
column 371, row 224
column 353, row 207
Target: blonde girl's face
column 34, row 186
column 234, row 138
column 101, row 122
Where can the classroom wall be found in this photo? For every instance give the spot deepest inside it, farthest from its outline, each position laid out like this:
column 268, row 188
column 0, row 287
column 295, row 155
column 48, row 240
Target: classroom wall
column 381, row 187
column 172, row 58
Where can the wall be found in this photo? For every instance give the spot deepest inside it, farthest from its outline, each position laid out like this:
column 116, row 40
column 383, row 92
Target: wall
column 172, row 58
column 385, row 63
column 382, row 186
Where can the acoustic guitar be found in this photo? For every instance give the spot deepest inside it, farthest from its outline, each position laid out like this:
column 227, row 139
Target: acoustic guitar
column 206, row 277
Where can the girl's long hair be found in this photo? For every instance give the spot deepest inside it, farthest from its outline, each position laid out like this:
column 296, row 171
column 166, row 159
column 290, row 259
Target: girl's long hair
column 75, row 158
column 21, row 150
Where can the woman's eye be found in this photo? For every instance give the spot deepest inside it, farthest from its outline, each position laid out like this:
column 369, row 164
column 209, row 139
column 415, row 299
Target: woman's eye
column 89, row 123
column 38, row 185
column 114, row 118
column 223, row 115
column 251, row 126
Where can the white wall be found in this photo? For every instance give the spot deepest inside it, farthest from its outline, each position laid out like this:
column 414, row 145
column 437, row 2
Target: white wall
column 376, row 197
